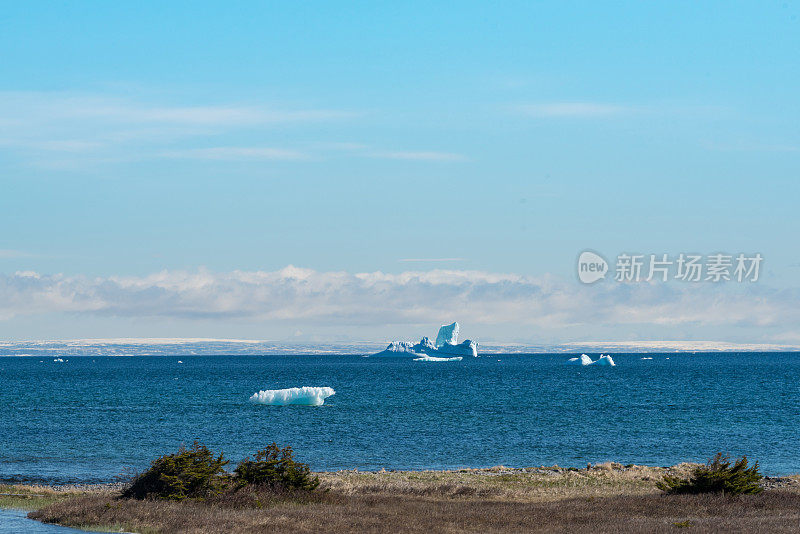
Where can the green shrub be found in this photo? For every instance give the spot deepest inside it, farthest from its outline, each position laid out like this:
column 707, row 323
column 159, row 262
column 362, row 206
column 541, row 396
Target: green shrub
column 717, row 476
column 192, row 473
column 276, row 468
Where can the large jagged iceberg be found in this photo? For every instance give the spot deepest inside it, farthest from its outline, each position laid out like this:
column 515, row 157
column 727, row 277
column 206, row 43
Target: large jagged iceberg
column 307, row 396
column 448, row 333
column 446, row 346
column 586, row 360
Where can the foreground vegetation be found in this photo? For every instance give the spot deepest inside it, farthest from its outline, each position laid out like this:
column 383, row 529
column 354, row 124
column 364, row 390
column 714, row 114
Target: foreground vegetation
column 196, row 473
column 189, row 492
column 28, row 497
column 771, row 511
column 717, row 476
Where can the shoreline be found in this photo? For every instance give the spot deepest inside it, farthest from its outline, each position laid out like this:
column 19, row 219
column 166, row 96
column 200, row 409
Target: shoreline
column 421, row 474
column 119, row 483
column 598, row 498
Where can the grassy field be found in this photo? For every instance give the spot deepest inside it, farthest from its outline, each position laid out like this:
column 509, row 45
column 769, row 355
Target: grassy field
column 602, row 498
column 25, row 497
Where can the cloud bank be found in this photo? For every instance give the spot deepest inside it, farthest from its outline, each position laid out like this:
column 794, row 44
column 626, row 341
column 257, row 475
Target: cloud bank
column 308, row 297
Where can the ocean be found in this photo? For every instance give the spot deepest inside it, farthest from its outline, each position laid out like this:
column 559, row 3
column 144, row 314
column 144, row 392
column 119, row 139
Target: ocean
column 101, row 418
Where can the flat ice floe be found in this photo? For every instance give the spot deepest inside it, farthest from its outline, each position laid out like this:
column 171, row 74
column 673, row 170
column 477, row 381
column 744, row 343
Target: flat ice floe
column 586, row 360
column 306, row 396
column 583, row 360
column 426, row 358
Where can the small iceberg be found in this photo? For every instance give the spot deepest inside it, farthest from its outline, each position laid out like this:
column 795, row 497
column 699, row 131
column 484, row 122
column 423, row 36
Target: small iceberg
column 446, row 346
column 305, row 396
column 647, row 358
column 586, row 360
column 59, row 360
column 426, row 358
column 605, row 360
column 583, row 360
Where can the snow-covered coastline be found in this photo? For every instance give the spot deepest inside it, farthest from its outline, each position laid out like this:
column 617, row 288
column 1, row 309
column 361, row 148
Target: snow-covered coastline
column 234, row 347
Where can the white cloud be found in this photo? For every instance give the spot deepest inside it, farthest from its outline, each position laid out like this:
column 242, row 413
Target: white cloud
column 305, row 296
column 20, row 108
column 573, row 109
column 343, row 146
column 236, row 153
column 59, row 130
column 410, row 155
column 8, row 254
column 419, row 156
column 91, row 129
column 429, row 260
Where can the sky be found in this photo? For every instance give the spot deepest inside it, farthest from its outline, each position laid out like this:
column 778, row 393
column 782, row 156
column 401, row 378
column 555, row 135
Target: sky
column 370, row 170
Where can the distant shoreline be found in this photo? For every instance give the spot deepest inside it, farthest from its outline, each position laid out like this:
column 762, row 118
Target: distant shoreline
column 233, row 347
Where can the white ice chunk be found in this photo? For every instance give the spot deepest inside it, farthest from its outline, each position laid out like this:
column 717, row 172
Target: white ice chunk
column 586, row 360
column 307, row 396
column 448, row 333
column 427, row 358
column 403, row 348
column 605, row 360
column 465, row 348
column 583, row 360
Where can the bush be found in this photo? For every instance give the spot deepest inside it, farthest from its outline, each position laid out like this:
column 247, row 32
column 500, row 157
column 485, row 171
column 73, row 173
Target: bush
column 193, row 472
column 276, row 468
column 717, row 476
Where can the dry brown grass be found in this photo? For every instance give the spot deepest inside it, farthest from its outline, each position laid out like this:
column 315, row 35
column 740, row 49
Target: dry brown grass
column 606, row 498
column 501, row 483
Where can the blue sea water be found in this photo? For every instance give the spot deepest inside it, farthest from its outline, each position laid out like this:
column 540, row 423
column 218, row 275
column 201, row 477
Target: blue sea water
column 16, row 521
column 94, row 418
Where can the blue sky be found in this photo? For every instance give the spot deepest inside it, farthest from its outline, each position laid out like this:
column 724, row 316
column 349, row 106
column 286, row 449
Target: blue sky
column 497, row 139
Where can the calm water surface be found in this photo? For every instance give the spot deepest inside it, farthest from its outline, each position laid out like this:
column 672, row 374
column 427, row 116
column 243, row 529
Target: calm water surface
column 16, row 522
column 92, row 419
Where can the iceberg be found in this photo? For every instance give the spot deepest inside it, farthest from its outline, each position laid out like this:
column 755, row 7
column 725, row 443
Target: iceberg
column 400, row 348
column 583, row 360
column 448, row 333
column 446, row 346
column 586, row 360
column 306, row 396
column 605, row 360
column 427, row 358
